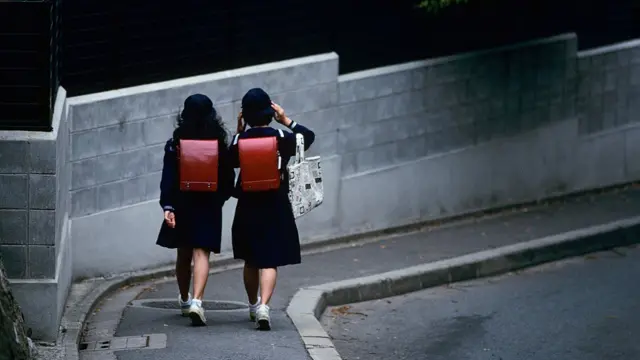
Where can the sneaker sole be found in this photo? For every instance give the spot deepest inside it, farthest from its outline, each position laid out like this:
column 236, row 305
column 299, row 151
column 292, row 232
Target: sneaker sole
column 264, row 325
column 197, row 320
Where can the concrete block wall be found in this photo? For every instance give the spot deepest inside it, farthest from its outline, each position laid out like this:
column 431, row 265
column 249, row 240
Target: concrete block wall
column 117, row 143
column 402, row 113
column 535, row 120
column 28, row 201
column 117, row 140
column 400, row 144
column 34, row 198
column 609, row 87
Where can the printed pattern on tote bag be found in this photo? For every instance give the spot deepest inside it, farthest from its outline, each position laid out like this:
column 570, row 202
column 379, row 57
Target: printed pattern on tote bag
column 306, row 191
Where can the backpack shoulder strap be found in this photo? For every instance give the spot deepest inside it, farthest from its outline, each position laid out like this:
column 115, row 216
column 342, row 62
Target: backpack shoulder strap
column 281, row 133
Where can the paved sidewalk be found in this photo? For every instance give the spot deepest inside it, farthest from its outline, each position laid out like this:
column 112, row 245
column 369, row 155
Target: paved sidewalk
column 231, row 336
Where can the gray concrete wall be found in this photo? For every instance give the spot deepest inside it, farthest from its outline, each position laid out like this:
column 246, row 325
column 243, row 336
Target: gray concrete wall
column 493, row 128
column 117, row 141
column 400, row 144
column 34, row 214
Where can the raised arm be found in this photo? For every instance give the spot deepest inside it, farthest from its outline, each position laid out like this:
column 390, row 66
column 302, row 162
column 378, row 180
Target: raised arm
column 289, row 142
column 169, row 181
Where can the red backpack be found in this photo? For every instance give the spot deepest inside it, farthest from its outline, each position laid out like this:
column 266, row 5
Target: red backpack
column 198, row 164
column 260, row 163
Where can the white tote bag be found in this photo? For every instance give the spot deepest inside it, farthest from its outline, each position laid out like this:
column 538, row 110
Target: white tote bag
column 306, row 191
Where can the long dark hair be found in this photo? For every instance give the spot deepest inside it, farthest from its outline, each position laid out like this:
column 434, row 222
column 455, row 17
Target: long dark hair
column 198, row 125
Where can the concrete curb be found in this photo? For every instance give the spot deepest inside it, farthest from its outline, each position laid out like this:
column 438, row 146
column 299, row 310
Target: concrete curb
column 82, row 300
column 308, row 305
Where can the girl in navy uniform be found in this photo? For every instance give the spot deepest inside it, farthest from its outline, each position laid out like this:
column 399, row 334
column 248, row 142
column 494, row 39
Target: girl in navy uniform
column 264, row 231
column 193, row 220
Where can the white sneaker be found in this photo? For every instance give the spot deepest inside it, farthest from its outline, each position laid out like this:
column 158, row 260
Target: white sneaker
column 252, row 310
column 262, row 318
column 196, row 313
column 184, row 305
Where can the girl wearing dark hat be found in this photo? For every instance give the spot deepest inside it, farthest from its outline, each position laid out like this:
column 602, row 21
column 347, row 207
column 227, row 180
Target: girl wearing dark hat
column 193, row 220
column 264, row 231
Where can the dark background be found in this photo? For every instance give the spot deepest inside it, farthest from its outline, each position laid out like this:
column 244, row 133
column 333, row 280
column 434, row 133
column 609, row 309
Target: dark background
column 89, row 46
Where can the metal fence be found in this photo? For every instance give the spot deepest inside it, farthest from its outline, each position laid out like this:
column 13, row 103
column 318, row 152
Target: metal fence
column 90, row 46
column 112, row 45
column 28, row 75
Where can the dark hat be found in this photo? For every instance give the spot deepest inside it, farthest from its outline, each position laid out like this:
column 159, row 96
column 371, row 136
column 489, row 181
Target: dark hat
column 256, row 102
column 196, row 107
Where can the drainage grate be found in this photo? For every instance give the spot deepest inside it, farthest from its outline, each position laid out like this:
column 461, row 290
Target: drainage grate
column 153, row 341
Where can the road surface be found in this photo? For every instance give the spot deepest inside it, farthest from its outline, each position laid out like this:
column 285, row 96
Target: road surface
column 585, row 308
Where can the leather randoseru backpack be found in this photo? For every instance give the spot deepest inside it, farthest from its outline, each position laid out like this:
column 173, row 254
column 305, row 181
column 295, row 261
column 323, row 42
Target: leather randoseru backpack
column 260, row 164
column 198, row 163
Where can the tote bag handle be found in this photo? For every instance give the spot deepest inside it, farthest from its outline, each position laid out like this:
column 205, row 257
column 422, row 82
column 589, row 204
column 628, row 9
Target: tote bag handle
column 299, row 148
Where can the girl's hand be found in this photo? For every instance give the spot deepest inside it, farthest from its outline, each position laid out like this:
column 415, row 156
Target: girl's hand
column 170, row 219
column 280, row 115
column 241, row 124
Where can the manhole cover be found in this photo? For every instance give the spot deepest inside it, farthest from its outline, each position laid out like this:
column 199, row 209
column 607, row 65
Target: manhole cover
column 172, row 304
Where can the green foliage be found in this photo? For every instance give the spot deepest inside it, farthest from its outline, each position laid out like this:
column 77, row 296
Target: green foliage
column 436, row 5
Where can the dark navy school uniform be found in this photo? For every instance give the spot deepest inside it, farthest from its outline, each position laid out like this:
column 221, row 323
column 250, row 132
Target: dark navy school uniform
column 198, row 214
column 264, row 231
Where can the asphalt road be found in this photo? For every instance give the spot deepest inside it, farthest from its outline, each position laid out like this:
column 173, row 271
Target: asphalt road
column 585, row 308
